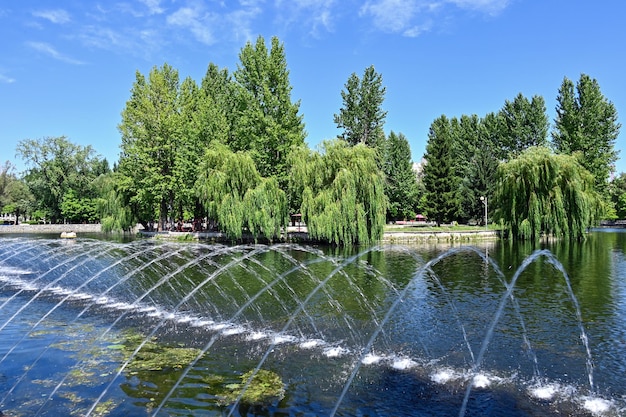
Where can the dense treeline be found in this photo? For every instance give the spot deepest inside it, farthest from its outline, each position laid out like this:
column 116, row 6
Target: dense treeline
column 231, row 150
column 534, row 186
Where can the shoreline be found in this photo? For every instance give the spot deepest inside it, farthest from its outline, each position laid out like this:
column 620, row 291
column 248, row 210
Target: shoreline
column 49, row 228
column 297, row 234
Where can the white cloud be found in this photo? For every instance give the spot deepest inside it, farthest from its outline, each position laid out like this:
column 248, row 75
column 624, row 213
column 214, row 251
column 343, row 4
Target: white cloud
column 231, row 24
column 491, row 7
column 395, row 16
column 49, row 50
column 6, row 80
column 195, row 20
column 415, row 31
column 154, row 6
column 312, row 15
column 58, row 16
column 240, row 23
column 141, row 42
column 413, row 17
column 103, row 37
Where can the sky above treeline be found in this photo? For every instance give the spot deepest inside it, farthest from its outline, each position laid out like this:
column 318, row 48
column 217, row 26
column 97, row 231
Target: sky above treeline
column 67, row 67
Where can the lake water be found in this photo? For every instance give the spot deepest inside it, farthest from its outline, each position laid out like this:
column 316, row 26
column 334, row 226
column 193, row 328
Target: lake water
column 498, row 329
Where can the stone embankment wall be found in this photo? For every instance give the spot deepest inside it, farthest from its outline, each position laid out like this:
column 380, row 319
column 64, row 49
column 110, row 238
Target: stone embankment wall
column 300, row 235
column 50, row 228
column 417, row 237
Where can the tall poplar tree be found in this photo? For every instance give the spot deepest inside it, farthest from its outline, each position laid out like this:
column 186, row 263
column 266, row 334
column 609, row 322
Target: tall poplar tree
column 441, row 202
column 151, row 130
column 202, row 122
column 219, row 88
column 586, row 122
column 268, row 124
column 524, row 124
column 362, row 117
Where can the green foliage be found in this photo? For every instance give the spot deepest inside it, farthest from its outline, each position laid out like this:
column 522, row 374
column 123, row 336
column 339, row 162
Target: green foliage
column 167, row 127
column 220, row 91
column 617, row 193
column 232, row 191
column 478, row 141
column 15, row 197
column 150, row 129
column 524, row 124
column 586, row 122
column 441, row 202
column 202, row 122
column 114, row 211
column 6, row 176
column 76, row 209
column 540, row 193
column 268, row 124
column 361, row 117
column 342, row 193
column 265, row 209
column 400, row 181
column 59, row 169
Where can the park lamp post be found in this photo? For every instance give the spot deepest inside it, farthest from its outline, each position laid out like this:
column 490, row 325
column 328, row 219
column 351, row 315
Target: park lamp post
column 484, row 200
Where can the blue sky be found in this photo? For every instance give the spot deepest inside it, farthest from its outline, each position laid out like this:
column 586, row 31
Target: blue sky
column 67, row 67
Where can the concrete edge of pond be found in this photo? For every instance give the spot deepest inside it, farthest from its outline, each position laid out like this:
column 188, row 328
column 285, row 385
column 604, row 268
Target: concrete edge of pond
column 293, row 233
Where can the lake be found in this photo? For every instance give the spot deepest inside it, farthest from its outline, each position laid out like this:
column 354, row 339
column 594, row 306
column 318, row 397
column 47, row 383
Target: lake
column 95, row 327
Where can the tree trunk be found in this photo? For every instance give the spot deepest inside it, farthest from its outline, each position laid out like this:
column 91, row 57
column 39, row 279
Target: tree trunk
column 163, row 216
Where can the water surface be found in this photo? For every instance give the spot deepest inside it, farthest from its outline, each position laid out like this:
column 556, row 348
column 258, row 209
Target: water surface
column 381, row 331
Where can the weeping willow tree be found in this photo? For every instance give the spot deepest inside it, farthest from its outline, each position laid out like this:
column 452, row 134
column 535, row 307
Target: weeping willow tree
column 342, row 192
column 116, row 212
column 234, row 193
column 540, row 193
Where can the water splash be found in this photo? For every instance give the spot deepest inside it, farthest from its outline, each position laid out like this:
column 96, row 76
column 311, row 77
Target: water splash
column 303, row 327
column 505, row 298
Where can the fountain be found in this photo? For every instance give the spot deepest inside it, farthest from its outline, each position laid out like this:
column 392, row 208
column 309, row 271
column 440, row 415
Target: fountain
column 94, row 328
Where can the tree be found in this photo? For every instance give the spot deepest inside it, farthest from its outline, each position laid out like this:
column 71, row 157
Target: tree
column 480, row 175
column 6, row 176
column 524, row 124
column 151, row 130
column 440, row 202
column 76, row 209
column 268, row 124
column 202, row 122
column 113, row 208
column 617, row 193
column 233, row 192
column 465, row 134
column 541, row 193
column 15, row 197
column 57, row 167
column 400, row 180
column 362, row 117
column 342, row 189
column 219, row 89
column 586, row 122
